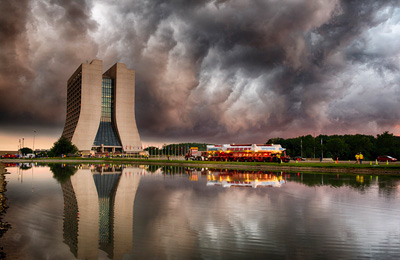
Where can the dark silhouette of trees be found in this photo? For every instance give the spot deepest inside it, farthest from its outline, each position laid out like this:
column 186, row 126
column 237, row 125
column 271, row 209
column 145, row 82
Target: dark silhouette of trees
column 25, row 150
column 63, row 146
column 387, row 144
column 337, row 147
column 344, row 147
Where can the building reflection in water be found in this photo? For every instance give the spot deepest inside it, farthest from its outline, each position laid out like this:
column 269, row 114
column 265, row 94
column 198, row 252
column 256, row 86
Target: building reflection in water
column 98, row 210
column 241, row 178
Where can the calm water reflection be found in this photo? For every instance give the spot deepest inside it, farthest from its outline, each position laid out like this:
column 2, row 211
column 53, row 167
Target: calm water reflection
column 130, row 212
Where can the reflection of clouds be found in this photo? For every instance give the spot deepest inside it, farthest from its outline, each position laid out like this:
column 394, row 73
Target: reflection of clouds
column 174, row 231
column 174, row 217
column 295, row 221
column 343, row 220
column 232, row 219
column 33, row 215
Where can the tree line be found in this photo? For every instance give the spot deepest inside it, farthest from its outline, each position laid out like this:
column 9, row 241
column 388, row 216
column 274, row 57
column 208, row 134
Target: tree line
column 344, row 147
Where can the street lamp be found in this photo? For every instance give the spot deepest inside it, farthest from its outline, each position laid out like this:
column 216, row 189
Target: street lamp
column 301, row 148
column 322, row 149
column 33, row 147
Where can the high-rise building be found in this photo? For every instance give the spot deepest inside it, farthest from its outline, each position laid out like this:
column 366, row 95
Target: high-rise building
column 101, row 109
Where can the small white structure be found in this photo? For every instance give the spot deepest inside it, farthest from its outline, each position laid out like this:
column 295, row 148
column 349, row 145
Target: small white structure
column 29, row 156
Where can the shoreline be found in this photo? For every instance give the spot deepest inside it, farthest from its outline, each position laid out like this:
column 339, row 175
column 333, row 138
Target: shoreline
column 316, row 167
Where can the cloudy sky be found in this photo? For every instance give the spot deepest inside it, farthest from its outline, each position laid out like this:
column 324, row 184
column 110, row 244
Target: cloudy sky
column 215, row 71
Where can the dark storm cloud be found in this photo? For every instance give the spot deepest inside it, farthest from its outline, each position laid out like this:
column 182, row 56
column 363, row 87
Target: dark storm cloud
column 12, row 54
column 243, row 38
column 40, row 48
column 213, row 71
column 275, row 68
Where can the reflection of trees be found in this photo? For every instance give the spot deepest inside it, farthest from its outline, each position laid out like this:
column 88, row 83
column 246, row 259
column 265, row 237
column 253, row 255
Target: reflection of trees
column 173, row 169
column 62, row 172
column 334, row 180
column 166, row 169
column 25, row 166
column 386, row 184
column 4, row 226
column 153, row 168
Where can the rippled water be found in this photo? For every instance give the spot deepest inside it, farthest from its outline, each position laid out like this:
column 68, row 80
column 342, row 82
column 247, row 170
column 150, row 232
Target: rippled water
column 151, row 212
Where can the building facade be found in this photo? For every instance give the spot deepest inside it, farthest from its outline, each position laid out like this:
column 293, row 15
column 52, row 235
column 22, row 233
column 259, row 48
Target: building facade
column 101, row 109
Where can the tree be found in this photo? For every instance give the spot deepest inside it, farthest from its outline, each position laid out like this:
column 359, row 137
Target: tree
column 308, row 144
column 336, row 146
column 387, row 144
column 360, row 144
column 25, row 150
column 63, row 146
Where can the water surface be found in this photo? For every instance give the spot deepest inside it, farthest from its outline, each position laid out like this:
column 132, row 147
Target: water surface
column 152, row 212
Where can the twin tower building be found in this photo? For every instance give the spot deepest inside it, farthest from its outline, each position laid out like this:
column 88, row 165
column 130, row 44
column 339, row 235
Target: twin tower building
column 101, row 109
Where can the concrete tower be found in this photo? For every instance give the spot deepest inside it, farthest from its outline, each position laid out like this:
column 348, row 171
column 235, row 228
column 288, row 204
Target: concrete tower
column 101, row 109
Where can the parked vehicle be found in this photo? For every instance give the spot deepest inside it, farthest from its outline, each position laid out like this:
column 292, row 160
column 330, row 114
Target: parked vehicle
column 386, row 158
column 196, row 155
column 29, row 156
column 9, row 156
column 298, row 158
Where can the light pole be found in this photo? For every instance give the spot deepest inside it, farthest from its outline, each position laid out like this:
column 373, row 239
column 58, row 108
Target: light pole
column 33, row 147
column 322, row 149
column 301, row 148
column 314, row 145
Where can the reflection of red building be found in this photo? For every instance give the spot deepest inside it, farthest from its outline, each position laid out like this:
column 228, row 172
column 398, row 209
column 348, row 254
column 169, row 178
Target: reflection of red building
column 235, row 178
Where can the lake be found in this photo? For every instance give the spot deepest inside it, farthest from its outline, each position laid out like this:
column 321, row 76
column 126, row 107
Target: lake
column 115, row 211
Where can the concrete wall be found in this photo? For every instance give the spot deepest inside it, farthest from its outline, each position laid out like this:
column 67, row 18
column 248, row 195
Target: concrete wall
column 125, row 119
column 89, row 118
